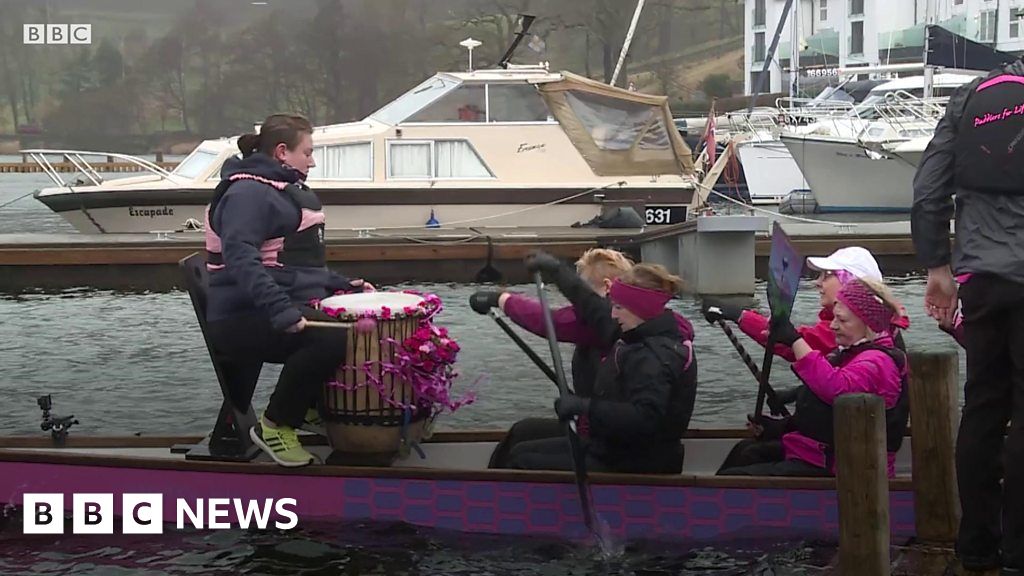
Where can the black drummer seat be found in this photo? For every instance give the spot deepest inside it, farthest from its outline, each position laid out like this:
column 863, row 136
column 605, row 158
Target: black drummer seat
column 230, row 437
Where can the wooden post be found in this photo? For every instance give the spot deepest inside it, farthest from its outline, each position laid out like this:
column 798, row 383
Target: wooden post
column 862, row 485
column 159, row 156
column 934, row 410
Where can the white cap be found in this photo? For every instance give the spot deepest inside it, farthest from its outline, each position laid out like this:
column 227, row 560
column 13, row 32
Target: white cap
column 854, row 259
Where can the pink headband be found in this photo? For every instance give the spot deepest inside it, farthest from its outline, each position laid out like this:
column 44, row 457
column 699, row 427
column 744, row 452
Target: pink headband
column 866, row 305
column 643, row 302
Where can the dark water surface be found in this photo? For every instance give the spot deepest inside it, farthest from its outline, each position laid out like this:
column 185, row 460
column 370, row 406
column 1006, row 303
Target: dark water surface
column 136, row 363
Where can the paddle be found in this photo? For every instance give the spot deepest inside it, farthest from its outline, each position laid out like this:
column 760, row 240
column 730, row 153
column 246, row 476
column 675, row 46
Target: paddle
column 784, row 267
column 774, row 405
column 579, row 460
column 525, row 348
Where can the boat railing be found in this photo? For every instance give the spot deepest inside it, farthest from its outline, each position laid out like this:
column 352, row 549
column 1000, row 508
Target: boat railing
column 77, row 158
column 902, row 116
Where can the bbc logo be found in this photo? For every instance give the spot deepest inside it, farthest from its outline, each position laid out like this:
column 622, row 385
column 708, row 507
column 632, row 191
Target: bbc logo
column 56, row 34
column 93, row 514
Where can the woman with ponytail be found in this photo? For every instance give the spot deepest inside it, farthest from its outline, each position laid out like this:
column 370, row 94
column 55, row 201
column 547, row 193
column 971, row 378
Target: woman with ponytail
column 266, row 261
column 644, row 392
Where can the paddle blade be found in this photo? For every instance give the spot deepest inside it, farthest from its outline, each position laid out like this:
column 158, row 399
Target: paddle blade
column 784, row 267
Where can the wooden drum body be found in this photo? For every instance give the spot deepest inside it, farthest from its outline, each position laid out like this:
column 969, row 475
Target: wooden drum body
column 367, row 412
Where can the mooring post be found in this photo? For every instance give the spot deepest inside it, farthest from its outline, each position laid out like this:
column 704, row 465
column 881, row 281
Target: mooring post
column 862, row 485
column 934, row 410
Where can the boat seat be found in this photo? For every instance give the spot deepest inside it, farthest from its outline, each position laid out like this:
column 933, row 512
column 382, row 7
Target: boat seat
column 230, row 437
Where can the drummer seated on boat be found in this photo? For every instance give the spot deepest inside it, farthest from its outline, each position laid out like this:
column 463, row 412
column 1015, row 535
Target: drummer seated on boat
column 833, row 270
column 266, row 261
column 595, row 271
column 865, row 361
column 643, row 393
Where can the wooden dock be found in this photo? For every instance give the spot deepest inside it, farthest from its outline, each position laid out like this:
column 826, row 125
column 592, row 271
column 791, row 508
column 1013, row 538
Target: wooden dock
column 149, row 261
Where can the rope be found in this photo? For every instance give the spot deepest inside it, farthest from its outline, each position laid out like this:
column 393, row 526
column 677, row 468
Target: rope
column 6, row 204
column 777, row 214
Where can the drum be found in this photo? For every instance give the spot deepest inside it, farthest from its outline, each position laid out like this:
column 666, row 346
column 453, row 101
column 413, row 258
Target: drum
column 369, row 411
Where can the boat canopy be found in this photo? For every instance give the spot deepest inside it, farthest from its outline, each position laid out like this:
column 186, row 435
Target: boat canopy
column 618, row 132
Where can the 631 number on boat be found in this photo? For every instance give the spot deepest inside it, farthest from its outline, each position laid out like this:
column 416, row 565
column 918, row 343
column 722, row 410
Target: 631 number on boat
column 664, row 214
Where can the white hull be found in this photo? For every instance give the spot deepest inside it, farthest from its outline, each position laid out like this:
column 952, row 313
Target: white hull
column 845, row 178
column 770, row 170
column 124, row 219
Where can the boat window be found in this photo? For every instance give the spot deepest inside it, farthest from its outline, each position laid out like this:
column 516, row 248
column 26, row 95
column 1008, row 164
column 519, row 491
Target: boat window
column 409, row 159
column 613, row 124
column 415, row 100
column 195, row 164
column 343, row 162
column 515, row 103
column 458, row 159
column 467, row 103
column 656, row 137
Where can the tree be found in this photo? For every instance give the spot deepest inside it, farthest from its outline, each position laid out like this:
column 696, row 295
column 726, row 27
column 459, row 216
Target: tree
column 717, row 85
column 108, row 64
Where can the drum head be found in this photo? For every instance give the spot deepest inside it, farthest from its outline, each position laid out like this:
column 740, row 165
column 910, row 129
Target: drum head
column 371, row 302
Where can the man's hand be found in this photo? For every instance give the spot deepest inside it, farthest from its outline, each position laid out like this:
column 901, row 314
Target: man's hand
column 940, row 294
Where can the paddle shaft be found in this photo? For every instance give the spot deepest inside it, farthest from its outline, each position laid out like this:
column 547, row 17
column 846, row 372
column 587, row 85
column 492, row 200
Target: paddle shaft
column 526, row 348
column 762, row 389
column 579, row 459
column 773, row 403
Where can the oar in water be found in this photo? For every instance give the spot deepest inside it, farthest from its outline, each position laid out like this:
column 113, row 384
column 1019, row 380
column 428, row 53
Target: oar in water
column 774, row 405
column 579, row 460
column 525, row 348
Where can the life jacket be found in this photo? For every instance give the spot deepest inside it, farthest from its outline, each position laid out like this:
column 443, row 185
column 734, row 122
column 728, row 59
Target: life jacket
column 815, row 419
column 302, row 247
column 991, row 131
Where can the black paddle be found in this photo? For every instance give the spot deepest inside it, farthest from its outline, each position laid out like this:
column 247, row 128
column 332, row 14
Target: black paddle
column 525, row 347
column 784, row 267
column 777, row 408
column 579, row 460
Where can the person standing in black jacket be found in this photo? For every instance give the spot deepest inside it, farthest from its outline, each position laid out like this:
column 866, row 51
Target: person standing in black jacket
column 266, row 261
column 977, row 155
column 645, row 388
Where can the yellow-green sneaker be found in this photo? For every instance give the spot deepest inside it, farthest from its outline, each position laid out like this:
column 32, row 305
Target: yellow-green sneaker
column 280, row 443
column 312, row 423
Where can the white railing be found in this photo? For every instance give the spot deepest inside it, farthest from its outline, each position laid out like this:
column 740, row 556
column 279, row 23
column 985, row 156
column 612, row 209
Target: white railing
column 77, row 159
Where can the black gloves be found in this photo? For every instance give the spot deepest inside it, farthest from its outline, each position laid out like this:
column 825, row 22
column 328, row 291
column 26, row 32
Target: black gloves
column 481, row 302
column 768, row 427
column 784, row 332
column 541, row 261
column 570, row 406
column 722, row 312
column 787, row 396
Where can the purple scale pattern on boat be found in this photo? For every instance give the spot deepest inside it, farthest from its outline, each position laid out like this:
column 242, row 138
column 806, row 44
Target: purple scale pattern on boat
column 661, row 512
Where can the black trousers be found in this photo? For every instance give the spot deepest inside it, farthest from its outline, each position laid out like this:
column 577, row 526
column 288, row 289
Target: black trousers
column 993, row 514
column 753, row 457
column 524, row 431
column 310, row 358
column 548, row 454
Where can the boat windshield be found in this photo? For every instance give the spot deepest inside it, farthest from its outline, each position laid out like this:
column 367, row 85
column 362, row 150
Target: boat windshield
column 415, row 100
column 195, row 164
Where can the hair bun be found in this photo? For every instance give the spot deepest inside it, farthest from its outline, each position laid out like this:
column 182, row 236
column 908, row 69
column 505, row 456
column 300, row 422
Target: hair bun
column 248, row 143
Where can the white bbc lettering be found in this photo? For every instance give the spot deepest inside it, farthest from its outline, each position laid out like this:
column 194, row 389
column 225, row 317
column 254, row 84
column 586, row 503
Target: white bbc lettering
column 92, row 514
column 142, row 514
column 293, row 518
column 43, row 514
column 80, row 34
column 218, row 508
column 56, row 34
column 33, row 34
